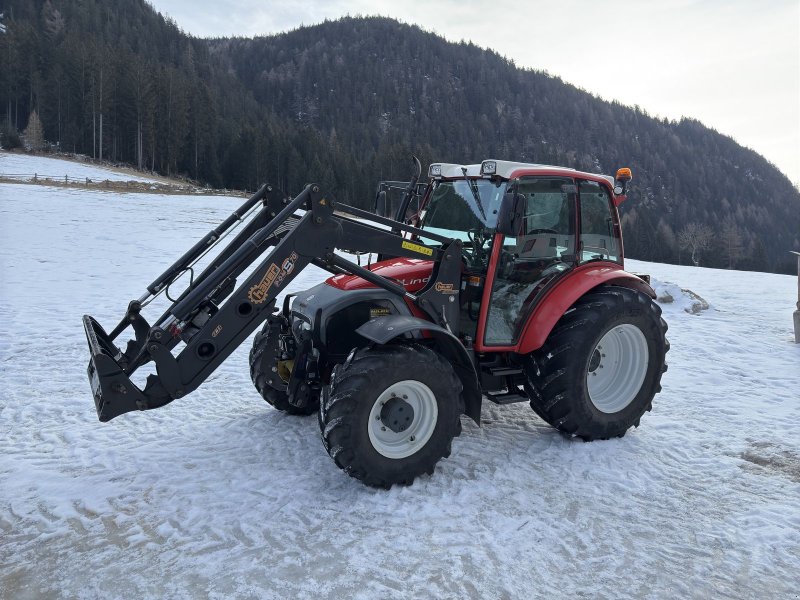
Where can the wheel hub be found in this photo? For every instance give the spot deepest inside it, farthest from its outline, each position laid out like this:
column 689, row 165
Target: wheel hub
column 397, row 414
column 402, row 419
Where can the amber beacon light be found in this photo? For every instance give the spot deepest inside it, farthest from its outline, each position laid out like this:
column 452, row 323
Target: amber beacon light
column 624, row 174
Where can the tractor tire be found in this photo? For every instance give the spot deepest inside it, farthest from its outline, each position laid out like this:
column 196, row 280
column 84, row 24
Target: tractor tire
column 391, row 413
column 263, row 358
column 601, row 366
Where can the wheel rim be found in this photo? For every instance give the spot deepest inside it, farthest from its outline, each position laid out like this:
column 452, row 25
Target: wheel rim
column 617, row 367
column 396, row 400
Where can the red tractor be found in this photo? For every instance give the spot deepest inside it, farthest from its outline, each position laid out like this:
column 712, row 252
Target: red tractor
column 507, row 284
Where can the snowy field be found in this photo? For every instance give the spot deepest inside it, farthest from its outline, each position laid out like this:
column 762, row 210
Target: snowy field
column 218, row 495
column 55, row 168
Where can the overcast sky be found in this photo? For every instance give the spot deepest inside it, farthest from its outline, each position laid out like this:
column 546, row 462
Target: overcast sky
column 732, row 64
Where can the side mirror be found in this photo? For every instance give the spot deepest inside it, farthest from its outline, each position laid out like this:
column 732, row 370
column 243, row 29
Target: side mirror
column 512, row 214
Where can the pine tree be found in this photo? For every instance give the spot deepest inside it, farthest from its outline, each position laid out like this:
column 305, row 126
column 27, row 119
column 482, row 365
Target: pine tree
column 732, row 244
column 52, row 20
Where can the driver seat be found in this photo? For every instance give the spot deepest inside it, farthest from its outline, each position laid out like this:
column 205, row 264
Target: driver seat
column 536, row 246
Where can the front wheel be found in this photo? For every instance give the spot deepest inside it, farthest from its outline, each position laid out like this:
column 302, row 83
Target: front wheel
column 391, row 413
column 271, row 374
column 601, row 366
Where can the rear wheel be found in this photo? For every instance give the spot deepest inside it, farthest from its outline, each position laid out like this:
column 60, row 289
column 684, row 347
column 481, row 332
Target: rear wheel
column 391, row 413
column 600, row 368
column 271, row 375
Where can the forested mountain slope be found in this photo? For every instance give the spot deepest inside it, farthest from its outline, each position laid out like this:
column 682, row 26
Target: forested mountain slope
column 345, row 102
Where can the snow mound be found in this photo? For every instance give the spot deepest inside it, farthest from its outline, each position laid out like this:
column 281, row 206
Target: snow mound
column 680, row 298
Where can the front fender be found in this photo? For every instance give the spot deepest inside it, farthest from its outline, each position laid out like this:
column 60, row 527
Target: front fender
column 382, row 330
column 566, row 292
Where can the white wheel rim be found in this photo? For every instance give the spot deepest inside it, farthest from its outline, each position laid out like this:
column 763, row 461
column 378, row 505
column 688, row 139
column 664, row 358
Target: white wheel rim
column 617, row 367
column 401, row 444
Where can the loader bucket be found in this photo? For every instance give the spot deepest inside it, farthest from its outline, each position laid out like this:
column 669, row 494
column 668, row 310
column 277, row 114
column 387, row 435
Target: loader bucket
column 113, row 391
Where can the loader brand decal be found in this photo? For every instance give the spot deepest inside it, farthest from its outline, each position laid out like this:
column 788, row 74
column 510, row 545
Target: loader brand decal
column 286, row 268
column 379, row 311
column 217, row 331
column 258, row 293
column 445, row 288
column 417, row 248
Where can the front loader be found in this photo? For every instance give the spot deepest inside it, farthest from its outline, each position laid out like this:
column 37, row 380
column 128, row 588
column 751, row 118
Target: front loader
column 507, row 283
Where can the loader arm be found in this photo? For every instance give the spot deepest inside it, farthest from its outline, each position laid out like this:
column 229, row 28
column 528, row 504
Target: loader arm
column 213, row 316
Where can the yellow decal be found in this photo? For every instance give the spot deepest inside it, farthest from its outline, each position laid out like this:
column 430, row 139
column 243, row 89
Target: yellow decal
column 417, row 248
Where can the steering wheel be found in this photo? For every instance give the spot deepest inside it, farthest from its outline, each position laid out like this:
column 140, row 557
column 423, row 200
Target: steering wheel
column 506, row 263
column 477, row 239
column 533, row 231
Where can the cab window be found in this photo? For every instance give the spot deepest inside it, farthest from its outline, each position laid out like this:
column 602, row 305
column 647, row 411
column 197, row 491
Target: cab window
column 599, row 239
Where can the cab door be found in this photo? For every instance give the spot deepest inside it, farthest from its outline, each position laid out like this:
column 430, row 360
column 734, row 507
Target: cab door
column 525, row 265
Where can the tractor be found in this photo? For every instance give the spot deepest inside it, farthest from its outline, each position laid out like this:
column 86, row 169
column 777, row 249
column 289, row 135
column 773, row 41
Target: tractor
column 505, row 282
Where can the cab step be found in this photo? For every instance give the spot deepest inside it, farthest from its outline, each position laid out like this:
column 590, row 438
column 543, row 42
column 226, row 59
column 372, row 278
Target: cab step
column 503, row 371
column 509, row 397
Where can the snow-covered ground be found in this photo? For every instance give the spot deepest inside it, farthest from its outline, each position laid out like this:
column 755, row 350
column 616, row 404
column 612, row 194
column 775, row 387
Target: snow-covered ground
column 55, row 168
column 218, row 495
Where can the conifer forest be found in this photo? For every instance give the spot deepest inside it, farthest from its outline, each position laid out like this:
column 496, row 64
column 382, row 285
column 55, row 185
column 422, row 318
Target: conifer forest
column 344, row 103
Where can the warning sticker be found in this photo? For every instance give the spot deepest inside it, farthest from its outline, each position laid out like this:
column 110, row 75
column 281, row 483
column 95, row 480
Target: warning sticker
column 417, row 248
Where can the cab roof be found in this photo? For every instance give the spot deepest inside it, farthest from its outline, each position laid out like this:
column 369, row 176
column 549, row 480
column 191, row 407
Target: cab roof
column 506, row 169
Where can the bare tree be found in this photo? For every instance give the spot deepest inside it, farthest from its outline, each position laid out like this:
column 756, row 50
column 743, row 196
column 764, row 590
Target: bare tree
column 697, row 239
column 34, row 133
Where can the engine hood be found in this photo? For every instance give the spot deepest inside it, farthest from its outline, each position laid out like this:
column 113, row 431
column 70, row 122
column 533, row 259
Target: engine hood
column 413, row 273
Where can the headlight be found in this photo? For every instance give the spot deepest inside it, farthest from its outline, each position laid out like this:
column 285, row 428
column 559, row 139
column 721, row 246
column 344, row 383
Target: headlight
column 488, row 167
column 435, row 171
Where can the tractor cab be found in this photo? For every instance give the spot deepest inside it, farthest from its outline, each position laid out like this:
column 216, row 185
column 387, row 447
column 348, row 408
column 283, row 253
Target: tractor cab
column 524, row 228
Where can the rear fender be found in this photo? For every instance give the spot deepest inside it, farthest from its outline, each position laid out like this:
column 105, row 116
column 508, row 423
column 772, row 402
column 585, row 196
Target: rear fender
column 566, row 292
column 382, row 330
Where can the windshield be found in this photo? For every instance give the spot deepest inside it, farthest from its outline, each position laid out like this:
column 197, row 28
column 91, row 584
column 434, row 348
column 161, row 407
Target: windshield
column 458, row 207
column 465, row 209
